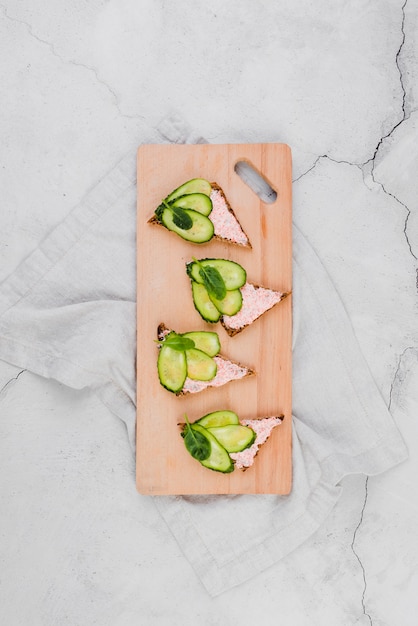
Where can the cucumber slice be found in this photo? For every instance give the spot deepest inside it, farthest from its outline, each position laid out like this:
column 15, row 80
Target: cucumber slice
column 201, row 230
column 231, row 304
column 234, row 438
column 204, row 304
column 196, row 201
column 206, row 341
column 200, row 366
column 218, row 418
column 196, row 185
column 219, row 459
column 233, row 274
column 172, row 368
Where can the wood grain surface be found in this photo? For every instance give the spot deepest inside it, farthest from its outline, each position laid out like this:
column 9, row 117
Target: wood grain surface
column 164, row 295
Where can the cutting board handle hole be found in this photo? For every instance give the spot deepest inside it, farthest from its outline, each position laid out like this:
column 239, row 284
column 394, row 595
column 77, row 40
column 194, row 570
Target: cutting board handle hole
column 255, row 181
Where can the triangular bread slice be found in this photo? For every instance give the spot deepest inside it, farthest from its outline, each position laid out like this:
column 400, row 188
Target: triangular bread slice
column 263, row 428
column 256, row 300
column 226, row 225
column 227, row 371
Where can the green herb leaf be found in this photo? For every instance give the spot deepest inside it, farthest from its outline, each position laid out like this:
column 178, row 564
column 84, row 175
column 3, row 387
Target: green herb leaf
column 177, row 342
column 189, row 267
column 196, row 443
column 159, row 211
column 181, row 219
column 212, row 280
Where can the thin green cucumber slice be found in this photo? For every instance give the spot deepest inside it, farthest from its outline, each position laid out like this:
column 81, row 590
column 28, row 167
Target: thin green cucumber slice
column 218, row 418
column 195, row 185
column 233, row 274
column 172, row 368
column 204, row 304
column 231, row 304
column 219, row 459
column 200, row 366
column 197, row 201
column 206, row 341
column 201, row 229
column 234, row 438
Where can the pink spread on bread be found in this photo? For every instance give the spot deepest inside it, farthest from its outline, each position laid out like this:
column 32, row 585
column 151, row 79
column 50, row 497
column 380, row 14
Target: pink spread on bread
column 224, row 221
column 255, row 301
column 263, row 428
column 227, row 371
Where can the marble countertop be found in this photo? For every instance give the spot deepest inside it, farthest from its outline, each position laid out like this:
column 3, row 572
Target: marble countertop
column 83, row 83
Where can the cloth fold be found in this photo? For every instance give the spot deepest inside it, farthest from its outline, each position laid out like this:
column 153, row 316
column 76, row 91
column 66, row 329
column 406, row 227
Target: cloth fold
column 68, row 313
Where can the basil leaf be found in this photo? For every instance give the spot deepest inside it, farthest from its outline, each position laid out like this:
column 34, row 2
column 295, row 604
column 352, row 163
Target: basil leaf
column 196, row 443
column 159, row 211
column 178, row 343
column 213, row 281
column 181, row 219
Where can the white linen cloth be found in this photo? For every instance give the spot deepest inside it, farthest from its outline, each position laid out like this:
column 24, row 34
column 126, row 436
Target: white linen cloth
column 68, row 313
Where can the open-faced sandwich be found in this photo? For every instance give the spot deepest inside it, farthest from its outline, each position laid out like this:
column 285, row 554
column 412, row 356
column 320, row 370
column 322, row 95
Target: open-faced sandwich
column 198, row 211
column 190, row 362
column 221, row 293
column 220, row 442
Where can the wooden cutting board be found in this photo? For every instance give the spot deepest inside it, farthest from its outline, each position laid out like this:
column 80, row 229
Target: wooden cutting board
column 164, row 295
